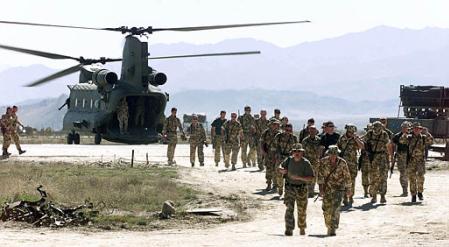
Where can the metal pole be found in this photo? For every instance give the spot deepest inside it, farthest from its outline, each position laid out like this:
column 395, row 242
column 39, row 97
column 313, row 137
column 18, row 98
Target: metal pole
column 132, row 158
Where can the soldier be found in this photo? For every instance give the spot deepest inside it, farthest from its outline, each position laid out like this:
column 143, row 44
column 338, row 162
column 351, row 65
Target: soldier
column 13, row 132
column 269, row 151
column 377, row 142
column 261, row 126
column 197, row 140
column 384, row 124
column 5, row 125
column 305, row 131
column 329, row 137
column 277, row 114
column 349, row 144
column 234, row 135
column 283, row 143
column 122, row 116
column 172, row 123
column 311, row 145
column 298, row 174
column 217, row 135
column 400, row 156
column 284, row 122
column 139, row 118
column 416, row 169
column 365, row 164
column 249, row 129
column 333, row 179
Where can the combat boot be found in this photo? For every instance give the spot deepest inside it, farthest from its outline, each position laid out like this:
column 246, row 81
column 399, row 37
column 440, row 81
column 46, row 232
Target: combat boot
column 365, row 190
column 268, row 188
column 288, row 233
column 413, row 198
column 382, row 199
column 420, row 196
column 193, row 164
column 351, row 201
column 216, row 163
column 280, row 192
column 331, row 232
column 302, row 231
column 374, row 199
column 233, row 167
column 345, row 201
column 244, row 165
column 21, row 151
column 202, row 164
column 5, row 153
column 404, row 192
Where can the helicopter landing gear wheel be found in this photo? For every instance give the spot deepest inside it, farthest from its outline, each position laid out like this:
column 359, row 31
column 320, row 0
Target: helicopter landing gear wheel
column 70, row 138
column 97, row 138
column 77, row 138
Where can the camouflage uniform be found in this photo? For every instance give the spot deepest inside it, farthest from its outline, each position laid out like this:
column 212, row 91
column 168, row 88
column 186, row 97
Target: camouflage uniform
column 312, row 149
column 401, row 161
column 283, row 143
column 122, row 116
column 13, row 132
column 197, row 140
column 172, row 123
column 377, row 141
column 249, row 128
column 296, row 191
column 5, row 124
column 349, row 148
column 261, row 126
column 218, row 139
column 334, row 181
column 416, row 163
column 269, row 149
column 365, row 169
column 232, row 141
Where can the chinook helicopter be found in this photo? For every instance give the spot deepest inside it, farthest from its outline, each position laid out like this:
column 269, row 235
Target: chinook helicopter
column 93, row 103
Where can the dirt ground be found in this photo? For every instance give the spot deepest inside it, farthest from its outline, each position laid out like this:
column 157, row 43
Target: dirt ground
column 398, row 223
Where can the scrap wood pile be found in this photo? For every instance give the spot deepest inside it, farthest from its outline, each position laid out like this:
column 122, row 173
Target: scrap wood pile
column 47, row 214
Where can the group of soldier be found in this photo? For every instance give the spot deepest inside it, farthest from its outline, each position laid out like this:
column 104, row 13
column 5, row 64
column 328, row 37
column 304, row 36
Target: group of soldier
column 9, row 123
column 297, row 164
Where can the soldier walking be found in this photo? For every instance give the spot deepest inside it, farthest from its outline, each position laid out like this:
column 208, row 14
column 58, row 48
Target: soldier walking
column 329, row 136
column 283, row 143
column 349, row 144
column 197, row 139
column 277, row 114
column 377, row 141
column 261, row 126
column 298, row 174
column 122, row 116
column 400, row 156
column 249, row 129
column 269, row 152
column 365, row 164
column 217, row 135
column 15, row 123
column 172, row 123
column 334, row 180
column 311, row 145
column 305, row 131
column 416, row 169
column 5, row 125
column 234, row 135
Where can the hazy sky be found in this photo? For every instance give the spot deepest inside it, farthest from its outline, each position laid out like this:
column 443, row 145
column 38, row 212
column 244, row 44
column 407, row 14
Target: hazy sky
column 329, row 19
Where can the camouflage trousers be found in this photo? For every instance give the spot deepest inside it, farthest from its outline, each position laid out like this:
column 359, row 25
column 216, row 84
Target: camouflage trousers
column 402, row 168
column 231, row 147
column 270, row 166
column 331, row 208
column 123, row 123
column 260, row 156
column 379, row 174
column 416, row 169
column 16, row 139
column 365, row 171
column 315, row 165
column 352, row 165
column 248, row 158
column 219, row 148
column 172, row 141
column 197, row 146
column 6, row 140
column 296, row 194
column 279, row 177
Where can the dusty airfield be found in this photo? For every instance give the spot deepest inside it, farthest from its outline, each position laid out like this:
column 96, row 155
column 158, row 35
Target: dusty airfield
column 398, row 223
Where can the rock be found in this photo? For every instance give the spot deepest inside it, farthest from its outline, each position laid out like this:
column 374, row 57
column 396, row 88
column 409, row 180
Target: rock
column 168, row 209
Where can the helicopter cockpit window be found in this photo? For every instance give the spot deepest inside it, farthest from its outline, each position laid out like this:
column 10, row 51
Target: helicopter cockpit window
column 84, row 103
column 91, row 103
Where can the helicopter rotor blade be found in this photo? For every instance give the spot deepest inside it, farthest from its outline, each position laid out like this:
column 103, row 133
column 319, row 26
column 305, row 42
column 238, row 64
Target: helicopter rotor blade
column 208, row 55
column 56, row 75
column 53, row 25
column 38, row 53
column 202, row 28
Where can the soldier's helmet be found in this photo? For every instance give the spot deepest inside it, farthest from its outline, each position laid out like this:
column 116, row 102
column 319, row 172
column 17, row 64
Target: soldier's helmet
column 377, row 126
column 274, row 121
column 333, row 150
column 351, row 128
column 297, row 147
column 247, row 108
column 405, row 124
column 369, row 127
column 417, row 125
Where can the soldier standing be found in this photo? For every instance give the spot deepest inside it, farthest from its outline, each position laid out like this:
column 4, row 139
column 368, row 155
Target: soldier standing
column 15, row 123
column 122, row 116
column 311, row 145
column 416, row 169
column 217, row 135
column 305, row 131
column 284, row 122
column 349, row 144
column 334, row 179
column 298, row 174
column 139, row 119
column 383, row 121
column 283, row 143
column 172, row 123
column 249, row 129
column 269, row 151
column 261, row 126
column 329, row 137
column 5, row 125
column 400, row 156
column 197, row 140
column 234, row 134
column 377, row 142
column 365, row 164
column 277, row 114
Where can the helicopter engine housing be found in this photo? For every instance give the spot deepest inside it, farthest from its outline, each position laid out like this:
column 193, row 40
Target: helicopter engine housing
column 104, row 77
column 157, row 78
